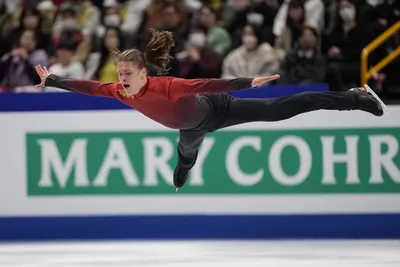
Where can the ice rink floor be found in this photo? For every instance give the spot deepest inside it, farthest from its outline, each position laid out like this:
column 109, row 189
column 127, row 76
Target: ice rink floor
column 204, row 253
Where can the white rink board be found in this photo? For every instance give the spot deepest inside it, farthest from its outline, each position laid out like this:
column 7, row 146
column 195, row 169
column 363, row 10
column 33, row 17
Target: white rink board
column 13, row 187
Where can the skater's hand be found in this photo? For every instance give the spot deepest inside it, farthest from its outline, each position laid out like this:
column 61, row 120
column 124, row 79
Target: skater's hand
column 43, row 74
column 262, row 80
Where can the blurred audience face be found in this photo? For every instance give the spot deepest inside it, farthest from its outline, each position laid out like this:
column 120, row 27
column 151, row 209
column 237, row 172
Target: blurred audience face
column 296, row 13
column 207, row 18
column 28, row 40
column 307, row 40
column 241, row 4
column 30, row 20
column 170, row 17
column 347, row 11
column 249, row 39
column 65, row 56
column 111, row 39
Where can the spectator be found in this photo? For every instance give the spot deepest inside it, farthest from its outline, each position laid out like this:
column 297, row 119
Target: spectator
column 111, row 17
column 313, row 15
column 218, row 38
column 65, row 65
column 100, row 66
column 17, row 66
column 199, row 61
column 135, row 10
column 28, row 18
column 269, row 9
column 291, row 32
column 69, row 29
column 238, row 20
column 165, row 14
column 87, row 17
column 345, row 44
column 305, row 64
column 170, row 17
column 253, row 59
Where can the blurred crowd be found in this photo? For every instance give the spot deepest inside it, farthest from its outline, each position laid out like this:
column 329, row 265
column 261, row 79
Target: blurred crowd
column 305, row 41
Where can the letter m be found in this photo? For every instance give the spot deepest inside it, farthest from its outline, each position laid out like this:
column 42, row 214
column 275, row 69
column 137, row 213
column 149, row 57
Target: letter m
column 51, row 160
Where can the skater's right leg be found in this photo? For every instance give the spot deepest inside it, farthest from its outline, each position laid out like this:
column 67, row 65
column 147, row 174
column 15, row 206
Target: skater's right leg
column 188, row 148
column 277, row 109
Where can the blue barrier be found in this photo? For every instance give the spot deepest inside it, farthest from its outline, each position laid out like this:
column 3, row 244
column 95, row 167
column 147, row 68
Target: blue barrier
column 10, row 102
column 361, row 226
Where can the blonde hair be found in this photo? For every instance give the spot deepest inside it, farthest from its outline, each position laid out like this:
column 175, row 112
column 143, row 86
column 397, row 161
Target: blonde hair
column 156, row 53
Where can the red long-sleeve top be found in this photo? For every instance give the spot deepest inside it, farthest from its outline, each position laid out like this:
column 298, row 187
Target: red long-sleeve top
column 174, row 102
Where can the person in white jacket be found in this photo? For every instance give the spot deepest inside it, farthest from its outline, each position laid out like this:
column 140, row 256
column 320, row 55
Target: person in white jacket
column 314, row 15
column 253, row 58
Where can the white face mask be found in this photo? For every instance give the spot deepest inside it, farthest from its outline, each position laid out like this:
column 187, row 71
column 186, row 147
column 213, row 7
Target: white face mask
column 197, row 39
column 347, row 13
column 249, row 41
column 375, row 2
column 112, row 21
column 70, row 24
column 255, row 18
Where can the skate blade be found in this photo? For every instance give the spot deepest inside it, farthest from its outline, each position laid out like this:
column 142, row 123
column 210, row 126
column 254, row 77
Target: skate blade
column 384, row 107
column 176, row 190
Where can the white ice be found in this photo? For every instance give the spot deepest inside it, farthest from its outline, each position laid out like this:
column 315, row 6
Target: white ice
column 204, row 253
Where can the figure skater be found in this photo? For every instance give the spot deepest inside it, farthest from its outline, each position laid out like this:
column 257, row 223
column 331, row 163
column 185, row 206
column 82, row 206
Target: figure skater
column 196, row 107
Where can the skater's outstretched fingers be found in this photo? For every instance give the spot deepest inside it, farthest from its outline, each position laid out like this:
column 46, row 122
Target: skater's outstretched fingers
column 43, row 74
column 262, row 80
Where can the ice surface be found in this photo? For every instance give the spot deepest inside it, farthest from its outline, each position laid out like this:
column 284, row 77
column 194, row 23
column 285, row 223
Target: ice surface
column 204, row 253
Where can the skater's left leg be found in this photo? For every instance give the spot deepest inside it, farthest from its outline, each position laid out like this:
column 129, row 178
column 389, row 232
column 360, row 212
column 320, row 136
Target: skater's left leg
column 188, row 148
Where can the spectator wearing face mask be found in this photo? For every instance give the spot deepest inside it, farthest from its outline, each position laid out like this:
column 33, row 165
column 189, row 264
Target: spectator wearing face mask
column 254, row 58
column 87, row 17
column 17, row 68
column 199, row 61
column 305, row 64
column 344, row 46
column 238, row 19
column 111, row 17
column 100, row 65
column 70, row 31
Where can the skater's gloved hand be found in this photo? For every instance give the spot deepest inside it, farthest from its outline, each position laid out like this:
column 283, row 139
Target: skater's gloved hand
column 263, row 80
column 43, row 73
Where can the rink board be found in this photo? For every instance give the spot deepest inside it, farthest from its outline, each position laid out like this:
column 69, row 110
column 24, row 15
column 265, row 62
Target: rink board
column 92, row 175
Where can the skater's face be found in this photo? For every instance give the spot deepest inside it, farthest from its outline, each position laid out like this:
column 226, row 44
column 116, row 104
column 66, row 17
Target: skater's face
column 130, row 75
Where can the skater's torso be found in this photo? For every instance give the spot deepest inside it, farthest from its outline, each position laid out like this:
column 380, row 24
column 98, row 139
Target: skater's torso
column 173, row 102
column 176, row 110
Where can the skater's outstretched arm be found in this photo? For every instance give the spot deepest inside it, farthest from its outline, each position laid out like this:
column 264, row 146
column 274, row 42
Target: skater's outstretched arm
column 180, row 87
column 74, row 85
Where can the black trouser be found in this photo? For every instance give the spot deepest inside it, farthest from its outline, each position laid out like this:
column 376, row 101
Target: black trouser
column 226, row 111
